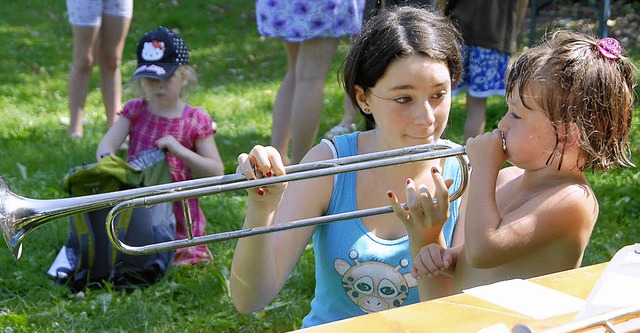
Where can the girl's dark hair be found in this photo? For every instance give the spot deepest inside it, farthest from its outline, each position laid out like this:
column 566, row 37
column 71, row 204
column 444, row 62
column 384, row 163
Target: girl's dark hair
column 574, row 83
column 395, row 33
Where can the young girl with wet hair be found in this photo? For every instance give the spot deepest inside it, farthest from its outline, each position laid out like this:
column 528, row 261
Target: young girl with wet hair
column 570, row 105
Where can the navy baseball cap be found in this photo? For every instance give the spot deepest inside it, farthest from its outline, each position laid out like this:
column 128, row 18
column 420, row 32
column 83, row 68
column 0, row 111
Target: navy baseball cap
column 160, row 52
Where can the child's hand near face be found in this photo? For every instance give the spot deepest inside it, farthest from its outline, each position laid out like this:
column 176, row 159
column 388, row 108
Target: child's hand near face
column 487, row 148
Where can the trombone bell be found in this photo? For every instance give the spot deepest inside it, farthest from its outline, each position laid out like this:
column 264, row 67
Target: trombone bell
column 10, row 214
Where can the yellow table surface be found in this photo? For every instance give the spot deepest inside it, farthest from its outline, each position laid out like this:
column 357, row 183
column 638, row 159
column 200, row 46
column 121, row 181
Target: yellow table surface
column 465, row 313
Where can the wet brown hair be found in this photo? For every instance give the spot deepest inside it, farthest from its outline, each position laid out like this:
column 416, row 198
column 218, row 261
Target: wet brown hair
column 577, row 84
column 396, row 33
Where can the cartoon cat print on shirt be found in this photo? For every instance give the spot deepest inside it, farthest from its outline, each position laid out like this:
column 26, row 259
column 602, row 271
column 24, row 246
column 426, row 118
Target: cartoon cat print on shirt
column 372, row 285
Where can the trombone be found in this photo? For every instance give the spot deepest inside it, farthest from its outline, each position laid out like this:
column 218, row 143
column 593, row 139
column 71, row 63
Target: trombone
column 19, row 216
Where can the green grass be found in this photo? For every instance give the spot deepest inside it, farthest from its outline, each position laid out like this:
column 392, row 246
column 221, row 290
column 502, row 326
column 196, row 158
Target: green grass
column 239, row 74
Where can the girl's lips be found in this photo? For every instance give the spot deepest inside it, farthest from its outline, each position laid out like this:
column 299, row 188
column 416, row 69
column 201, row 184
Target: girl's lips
column 419, row 137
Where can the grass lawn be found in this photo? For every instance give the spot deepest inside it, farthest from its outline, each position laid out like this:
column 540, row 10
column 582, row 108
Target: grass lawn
column 239, row 74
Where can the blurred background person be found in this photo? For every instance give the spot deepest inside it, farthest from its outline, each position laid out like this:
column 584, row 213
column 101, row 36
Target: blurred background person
column 489, row 29
column 99, row 29
column 310, row 31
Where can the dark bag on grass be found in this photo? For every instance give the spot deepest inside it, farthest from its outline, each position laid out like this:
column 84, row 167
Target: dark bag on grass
column 88, row 257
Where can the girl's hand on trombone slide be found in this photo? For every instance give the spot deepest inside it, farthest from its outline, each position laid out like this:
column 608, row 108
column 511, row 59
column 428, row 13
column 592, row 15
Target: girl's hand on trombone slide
column 425, row 216
column 262, row 162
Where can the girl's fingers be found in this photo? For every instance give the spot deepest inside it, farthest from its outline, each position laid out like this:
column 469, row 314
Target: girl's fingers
column 447, row 259
column 398, row 210
column 413, row 203
column 425, row 201
column 418, row 267
column 442, row 193
column 259, row 163
column 262, row 160
column 245, row 166
column 436, row 264
column 414, row 272
column 427, row 262
column 275, row 161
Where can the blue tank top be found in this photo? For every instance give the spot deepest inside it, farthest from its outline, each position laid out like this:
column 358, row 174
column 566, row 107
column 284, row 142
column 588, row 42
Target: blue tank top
column 357, row 272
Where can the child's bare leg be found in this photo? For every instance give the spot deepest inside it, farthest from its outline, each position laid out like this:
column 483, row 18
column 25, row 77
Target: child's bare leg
column 281, row 114
column 112, row 38
column 84, row 42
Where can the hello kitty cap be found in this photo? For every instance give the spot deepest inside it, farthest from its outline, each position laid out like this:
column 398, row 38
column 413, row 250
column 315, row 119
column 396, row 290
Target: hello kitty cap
column 160, row 52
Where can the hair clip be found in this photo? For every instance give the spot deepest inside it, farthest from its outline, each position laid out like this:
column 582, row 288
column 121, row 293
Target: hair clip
column 609, row 48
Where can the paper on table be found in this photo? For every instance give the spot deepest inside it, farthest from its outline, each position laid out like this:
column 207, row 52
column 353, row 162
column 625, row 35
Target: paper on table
column 527, row 298
column 618, row 286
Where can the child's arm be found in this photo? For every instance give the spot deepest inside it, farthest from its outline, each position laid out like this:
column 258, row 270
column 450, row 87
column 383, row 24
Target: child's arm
column 114, row 138
column 537, row 214
column 204, row 162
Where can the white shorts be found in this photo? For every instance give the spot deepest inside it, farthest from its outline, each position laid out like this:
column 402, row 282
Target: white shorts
column 88, row 13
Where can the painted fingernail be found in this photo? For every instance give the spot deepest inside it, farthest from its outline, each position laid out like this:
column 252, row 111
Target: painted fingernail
column 409, row 181
column 268, row 174
column 260, row 191
column 434, row 170
column 390, row 194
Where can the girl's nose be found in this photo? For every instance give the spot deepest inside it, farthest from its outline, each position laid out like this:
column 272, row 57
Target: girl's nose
column 503, row 125
column 425, row 115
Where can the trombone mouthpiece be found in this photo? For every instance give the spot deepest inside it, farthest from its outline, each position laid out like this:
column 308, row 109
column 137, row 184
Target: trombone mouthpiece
column 504, row 142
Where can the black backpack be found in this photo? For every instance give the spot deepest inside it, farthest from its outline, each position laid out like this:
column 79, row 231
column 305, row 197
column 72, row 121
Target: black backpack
column 88, row 259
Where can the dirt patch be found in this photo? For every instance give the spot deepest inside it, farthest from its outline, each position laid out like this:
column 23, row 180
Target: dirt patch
column 623, row 23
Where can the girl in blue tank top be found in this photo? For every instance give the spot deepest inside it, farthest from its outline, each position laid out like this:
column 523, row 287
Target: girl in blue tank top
column 399, row 72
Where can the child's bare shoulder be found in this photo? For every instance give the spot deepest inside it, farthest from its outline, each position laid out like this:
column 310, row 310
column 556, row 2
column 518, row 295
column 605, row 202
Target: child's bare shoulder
column 507, row 174
column 576, row 198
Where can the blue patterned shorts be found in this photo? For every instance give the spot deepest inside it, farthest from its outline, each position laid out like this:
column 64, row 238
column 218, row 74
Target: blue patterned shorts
column 483, row 71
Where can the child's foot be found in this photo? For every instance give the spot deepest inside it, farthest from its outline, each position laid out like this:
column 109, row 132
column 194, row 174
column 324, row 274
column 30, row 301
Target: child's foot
column 75, row 135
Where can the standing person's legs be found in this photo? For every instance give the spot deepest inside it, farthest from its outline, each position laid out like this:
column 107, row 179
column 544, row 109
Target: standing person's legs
column 84, row 42
column 485, row 77
column 281, row 115
column 476, row 116
column 112, row 39
column 314, row 61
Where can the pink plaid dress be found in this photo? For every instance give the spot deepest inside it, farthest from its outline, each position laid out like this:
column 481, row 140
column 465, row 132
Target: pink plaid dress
column 146, row 128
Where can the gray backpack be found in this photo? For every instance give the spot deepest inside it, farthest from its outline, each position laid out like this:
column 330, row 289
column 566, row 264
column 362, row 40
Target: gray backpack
column 88, row 259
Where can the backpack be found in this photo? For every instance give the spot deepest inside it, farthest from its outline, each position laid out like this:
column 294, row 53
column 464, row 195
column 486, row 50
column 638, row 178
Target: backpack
column 88, row 259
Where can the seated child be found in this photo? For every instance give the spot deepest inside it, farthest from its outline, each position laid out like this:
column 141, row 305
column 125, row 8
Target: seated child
column 160, row 118
column 570, row 104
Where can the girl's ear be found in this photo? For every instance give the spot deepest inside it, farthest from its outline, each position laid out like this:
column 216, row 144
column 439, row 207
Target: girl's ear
column 571, row 137
column 361, row 98
column 184, row 78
